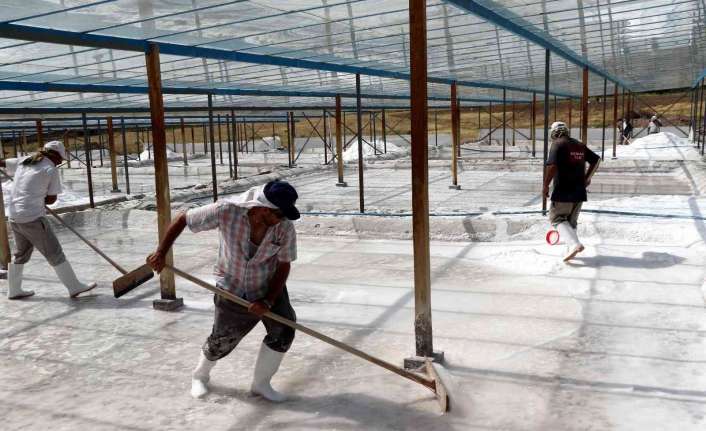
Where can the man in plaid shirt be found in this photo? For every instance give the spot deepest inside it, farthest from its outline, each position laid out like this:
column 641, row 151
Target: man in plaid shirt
column 257, row 244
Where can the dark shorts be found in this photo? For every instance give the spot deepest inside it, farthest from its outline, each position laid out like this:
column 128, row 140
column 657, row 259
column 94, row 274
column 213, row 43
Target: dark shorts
column 560, row 212
column 233, row 322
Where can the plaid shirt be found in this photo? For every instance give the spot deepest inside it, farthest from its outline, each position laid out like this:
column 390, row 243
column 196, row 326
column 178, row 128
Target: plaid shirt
column 238, row 272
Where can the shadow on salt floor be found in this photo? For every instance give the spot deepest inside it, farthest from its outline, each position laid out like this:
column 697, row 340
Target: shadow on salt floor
column 648, row 260
column 366, row 412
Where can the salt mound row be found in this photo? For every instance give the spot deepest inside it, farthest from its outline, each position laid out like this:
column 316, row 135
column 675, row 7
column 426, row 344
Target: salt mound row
column 171, row 155
column 351, row 153
column 659, row 146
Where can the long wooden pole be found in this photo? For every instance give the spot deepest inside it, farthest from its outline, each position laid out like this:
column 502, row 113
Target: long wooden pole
column 112, row 155
column 429, row 383
column 534, row 122
column 605, row 103
column 161, row 172
column 504, row 119
column 125, row 164
column 234, row 125
column 420, row 178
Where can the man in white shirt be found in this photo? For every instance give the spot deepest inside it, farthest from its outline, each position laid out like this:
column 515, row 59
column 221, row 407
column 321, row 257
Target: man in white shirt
column 36, row 184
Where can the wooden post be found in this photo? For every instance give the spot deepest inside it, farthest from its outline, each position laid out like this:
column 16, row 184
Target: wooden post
column 325, row 120
column 40, row 135
column 454, row 136
column 193, row 141
column 615, row 121
column 125, row 165
column 359, row 117
column 100, row 143
column 87, row 150
column 420, row 179
column 547, row 60
column 533, row 123
column 490, row 123
column 513, row 124
column 293, row 147
column 212, row 138
column 168, row 300
column 289, row 139
column 183, row 141
column 339, row 144
column 111, row 153
column 584, row 108
column 571, row 106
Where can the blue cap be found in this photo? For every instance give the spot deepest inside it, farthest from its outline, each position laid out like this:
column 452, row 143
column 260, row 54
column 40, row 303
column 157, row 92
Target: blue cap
column 283, row 195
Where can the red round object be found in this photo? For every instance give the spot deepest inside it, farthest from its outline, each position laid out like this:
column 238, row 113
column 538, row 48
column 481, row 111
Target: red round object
column 552, row 237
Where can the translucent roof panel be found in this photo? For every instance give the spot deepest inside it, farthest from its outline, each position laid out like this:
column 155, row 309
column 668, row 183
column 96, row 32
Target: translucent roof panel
column 649, row 45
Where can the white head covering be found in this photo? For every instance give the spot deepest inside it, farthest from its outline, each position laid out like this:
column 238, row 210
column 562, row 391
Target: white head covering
column 254, row 197
column 56, row 146
column 555, row 125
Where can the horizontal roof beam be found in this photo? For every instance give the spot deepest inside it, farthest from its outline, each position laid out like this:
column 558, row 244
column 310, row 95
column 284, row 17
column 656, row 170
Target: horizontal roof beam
column 46, row 35
column 489, row 11
column 166, row 89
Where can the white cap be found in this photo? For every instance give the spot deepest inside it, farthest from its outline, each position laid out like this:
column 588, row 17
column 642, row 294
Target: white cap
column 654, row 117
column 56, row 146
column 556, row 125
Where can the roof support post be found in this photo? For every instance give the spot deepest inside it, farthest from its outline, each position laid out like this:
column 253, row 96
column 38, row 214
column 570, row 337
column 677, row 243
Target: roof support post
column 454, row 137
column 339, row 144
column 40, row 135
column 111, row 154
column 571, row 116
column 384, row 132
column 220, row 138
column 234, row 131
column 584, row 108
column 547, row 60
column 168, row 300
column 605, row 102
column 420, row 179
column 212, row 143
column 125, row 166
column 324, row 138
column 504, row 119
column 533, row 123
column 229, row 120
column 359, row 120
column 700, row 116
column 183, row 141
column 615, row 121
column 87, row 150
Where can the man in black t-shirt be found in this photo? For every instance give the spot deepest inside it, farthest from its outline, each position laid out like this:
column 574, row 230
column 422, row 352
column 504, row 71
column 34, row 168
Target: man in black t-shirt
column 566, row 167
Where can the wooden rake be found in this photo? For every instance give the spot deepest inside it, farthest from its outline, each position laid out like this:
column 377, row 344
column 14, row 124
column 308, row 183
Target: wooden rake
column 431, row 381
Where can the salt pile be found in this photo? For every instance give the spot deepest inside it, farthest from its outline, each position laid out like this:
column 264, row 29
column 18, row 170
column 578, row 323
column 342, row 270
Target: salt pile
column 351, row 153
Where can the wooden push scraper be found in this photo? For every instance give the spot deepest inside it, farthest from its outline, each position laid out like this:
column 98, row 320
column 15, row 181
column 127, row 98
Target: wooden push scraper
column 431, row 381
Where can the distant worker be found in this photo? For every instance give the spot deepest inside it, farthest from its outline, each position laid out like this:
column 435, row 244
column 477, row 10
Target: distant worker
column 626, row 131
column 654, row 125
column 257, row 246
column 36, row 184
column 566, row 168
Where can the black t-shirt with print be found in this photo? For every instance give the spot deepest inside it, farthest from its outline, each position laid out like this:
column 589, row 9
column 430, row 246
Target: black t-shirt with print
column 570, row 157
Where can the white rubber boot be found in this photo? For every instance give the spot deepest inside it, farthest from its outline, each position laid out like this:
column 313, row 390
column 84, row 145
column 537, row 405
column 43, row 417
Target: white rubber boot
column 14, row 290
column 267, row 365
column 200, row 376
column 68, row 278
column 573, row 246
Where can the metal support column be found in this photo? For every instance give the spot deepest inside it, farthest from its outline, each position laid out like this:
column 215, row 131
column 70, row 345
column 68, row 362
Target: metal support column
column 605, row 103
column 339, row 144
column 112, row 155
column 504, row 119
column 234, row 126
column 125, row 159
column 547, row 60
column 87, row 151
column 212, row 139
column 533, row 129
column 359, row 118
column 615, row 122
column 584, row 108
column 454, row 137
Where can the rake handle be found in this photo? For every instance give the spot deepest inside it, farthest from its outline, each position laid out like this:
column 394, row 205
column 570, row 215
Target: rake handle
column 326, row 339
